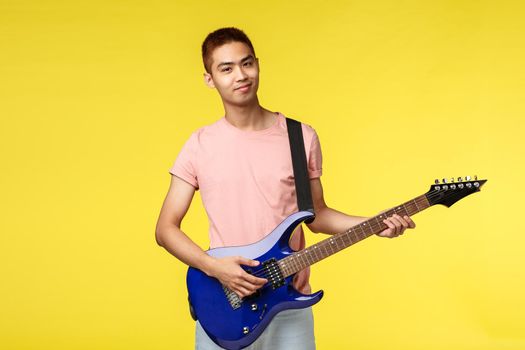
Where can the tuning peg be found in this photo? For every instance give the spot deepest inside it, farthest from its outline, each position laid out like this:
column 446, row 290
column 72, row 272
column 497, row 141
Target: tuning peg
column 451, row 179
column 436, row 181
column 460, row 179
column 445, row 181
column 467, row 178
column 475, row 177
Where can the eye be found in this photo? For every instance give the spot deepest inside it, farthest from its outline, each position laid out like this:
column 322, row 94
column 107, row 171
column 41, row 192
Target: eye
column 249, row 63
column 226, row 69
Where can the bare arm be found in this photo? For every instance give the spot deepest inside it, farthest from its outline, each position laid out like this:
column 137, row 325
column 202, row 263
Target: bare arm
column 331, row 221
column 169, row 235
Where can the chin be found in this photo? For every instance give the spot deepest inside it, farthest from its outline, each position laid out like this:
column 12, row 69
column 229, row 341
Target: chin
column 243, row 102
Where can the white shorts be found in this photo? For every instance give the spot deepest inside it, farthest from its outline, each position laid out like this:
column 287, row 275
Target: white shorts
column 289, row 329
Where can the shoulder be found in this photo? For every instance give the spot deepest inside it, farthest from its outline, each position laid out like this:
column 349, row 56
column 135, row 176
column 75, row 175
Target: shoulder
column 204, row 133
column 309, row 132
column 307, row 128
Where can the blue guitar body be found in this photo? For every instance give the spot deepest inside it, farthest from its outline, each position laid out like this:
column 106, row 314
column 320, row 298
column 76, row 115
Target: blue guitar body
column 235, row 323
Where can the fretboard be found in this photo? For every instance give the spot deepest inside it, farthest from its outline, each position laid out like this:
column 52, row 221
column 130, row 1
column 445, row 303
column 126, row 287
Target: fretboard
column 317, row 252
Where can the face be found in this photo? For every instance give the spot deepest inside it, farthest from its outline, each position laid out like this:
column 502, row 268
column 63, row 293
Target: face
column 234, row 73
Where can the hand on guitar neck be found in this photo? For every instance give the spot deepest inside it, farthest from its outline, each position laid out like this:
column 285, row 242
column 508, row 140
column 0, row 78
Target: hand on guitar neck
column 396, row 225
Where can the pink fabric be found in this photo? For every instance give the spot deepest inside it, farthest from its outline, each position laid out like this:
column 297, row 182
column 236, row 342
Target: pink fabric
column 246, row 181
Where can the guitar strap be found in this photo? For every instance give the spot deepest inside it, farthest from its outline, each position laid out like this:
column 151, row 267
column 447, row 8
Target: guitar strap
column 300, row 167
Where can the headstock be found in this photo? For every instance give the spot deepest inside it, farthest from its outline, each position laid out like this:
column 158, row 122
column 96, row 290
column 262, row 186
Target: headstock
column 449, row 191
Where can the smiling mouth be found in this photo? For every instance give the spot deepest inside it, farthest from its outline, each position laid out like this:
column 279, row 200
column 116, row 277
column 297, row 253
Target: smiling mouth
column 244, row 87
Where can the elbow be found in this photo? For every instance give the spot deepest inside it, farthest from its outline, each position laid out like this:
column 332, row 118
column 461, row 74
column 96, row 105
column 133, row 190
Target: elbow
column 312, row 227
column 158, row 237
column 315, row 226
column 160, row 233
column 164, row 231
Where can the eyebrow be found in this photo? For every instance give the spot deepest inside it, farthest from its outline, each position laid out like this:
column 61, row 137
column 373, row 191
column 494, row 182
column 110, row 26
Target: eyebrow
column 229, row 63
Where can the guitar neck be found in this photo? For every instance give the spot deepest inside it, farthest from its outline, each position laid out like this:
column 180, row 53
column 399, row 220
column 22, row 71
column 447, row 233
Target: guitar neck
column 317, row 252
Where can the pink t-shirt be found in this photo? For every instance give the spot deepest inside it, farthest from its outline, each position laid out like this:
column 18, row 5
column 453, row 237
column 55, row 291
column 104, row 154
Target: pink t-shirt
column 246, row 181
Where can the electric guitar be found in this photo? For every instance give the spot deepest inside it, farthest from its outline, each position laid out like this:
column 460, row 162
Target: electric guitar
column 234, row 323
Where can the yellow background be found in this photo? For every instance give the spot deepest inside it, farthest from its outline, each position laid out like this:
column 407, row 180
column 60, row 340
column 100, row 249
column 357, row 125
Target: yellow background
column 97, row 98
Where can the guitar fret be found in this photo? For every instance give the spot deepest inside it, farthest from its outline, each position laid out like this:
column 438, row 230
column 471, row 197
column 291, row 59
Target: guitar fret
column 295, row 263
column 313, row 249
column 304, row 257
column 307, row 257
column 304, row 261
column 351, row 235
column 378, row 223
column 362, row 230
column 332, row 245
column 339, row 242
column 336, row 244
column 348, row 237
column 354, row 238
column 325, row 248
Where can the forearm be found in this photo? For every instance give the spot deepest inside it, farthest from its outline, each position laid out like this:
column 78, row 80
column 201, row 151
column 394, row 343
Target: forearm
column 227, row 269
column 178, row 244
column 331, row 221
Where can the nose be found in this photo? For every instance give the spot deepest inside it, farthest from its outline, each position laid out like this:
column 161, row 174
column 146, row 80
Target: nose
column 241, row 74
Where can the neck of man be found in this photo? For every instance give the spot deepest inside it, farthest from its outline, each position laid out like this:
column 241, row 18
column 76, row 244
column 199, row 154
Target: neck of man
column 249, row 117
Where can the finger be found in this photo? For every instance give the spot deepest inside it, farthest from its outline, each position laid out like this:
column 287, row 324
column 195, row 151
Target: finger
column 255, row 280
column 386, row 233
column 402, row 221
column 404, row 224
column 411, row 223
column 249, row 286
column 389, row 231
column 392, row 225
column 397, row 224
column 241, row 291
column 389, row 223
column 247, row 262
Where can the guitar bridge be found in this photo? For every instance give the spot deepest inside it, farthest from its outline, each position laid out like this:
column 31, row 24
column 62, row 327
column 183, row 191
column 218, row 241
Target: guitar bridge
column 234, row 300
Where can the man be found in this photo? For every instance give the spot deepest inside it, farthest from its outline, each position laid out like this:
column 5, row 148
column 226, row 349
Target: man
column 242, row 166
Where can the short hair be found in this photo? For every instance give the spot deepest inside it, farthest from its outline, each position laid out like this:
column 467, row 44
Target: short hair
column 220, row 37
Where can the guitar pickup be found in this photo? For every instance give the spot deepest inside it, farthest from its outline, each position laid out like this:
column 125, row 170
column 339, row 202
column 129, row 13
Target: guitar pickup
column 273, row 273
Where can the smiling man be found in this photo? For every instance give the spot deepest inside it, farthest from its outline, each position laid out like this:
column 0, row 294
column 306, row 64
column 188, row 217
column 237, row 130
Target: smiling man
column 242, row 166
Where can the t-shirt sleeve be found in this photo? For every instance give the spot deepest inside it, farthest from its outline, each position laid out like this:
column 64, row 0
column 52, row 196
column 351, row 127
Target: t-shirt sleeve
column 315, row 159
column 185, row 165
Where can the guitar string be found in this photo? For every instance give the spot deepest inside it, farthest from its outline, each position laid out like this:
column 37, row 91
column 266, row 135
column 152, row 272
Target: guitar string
column 431, row 196
column 263, row 273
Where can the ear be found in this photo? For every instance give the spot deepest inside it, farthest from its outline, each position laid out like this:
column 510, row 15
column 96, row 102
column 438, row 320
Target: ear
column 258, row 67
column 208, row 80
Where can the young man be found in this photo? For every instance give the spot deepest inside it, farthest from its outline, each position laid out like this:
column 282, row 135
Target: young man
column 242, row 166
